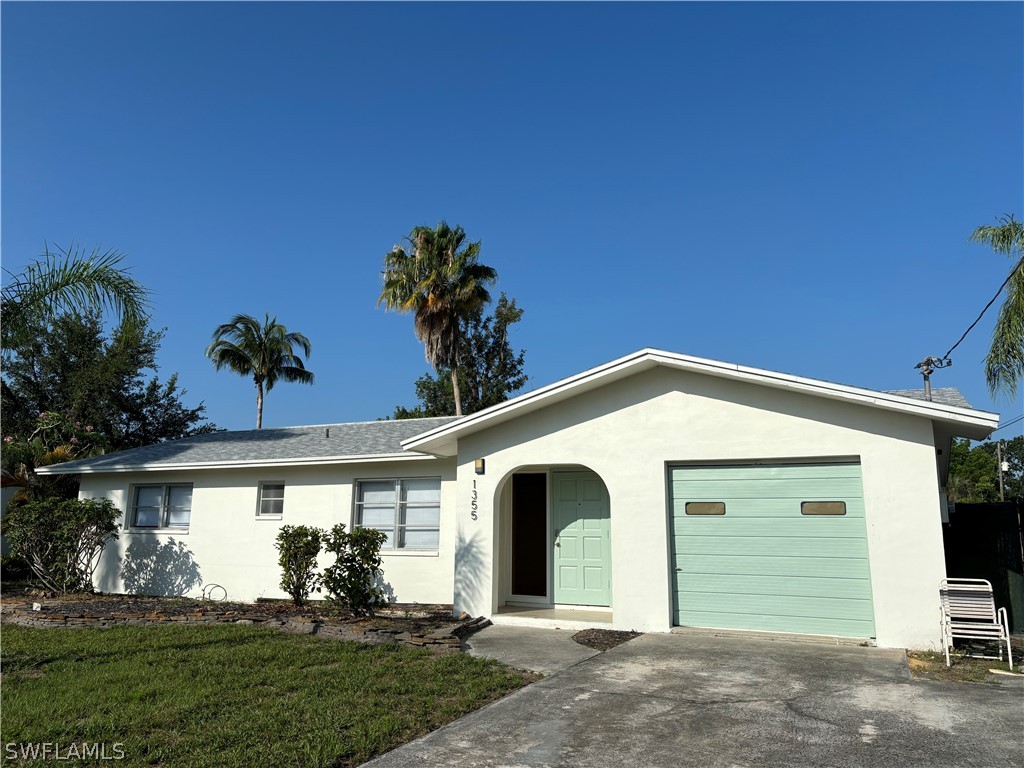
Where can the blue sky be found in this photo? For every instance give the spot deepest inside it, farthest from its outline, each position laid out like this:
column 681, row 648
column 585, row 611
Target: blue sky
column 786, row 186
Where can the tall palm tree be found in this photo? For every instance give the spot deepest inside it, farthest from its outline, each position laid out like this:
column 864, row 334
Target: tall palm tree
column 69, row 281
column 266, row 352
column 1004, row 363
column 441, row 282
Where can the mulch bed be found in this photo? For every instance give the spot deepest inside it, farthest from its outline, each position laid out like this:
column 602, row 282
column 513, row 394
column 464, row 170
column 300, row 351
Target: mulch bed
column 603, row 639
column 413, row 618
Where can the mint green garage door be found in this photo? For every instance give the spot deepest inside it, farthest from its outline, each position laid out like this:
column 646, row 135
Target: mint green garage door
column 780, row 548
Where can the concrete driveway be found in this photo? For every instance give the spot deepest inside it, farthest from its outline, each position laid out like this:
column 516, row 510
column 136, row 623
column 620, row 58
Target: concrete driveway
column 681, row 700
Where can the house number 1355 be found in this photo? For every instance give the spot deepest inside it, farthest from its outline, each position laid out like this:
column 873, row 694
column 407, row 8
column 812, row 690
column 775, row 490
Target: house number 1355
column 473, row 506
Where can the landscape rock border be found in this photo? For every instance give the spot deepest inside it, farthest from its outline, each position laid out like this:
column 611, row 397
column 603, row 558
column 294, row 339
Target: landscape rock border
column 446, row 638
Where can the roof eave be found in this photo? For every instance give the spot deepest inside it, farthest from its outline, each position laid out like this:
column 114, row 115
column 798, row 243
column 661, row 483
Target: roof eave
column 68, row 469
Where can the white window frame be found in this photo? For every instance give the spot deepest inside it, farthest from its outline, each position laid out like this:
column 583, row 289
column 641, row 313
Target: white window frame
column 397, row 526
column 260, row 515
column 164, row 525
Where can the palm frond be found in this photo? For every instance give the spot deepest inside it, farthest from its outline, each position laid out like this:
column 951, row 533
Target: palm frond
column 1004, row 363
column 1006, row 237
column 69, row 281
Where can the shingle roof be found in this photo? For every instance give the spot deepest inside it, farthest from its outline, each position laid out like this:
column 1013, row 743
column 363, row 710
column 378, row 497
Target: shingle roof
column 276, row 445
column 944, row 395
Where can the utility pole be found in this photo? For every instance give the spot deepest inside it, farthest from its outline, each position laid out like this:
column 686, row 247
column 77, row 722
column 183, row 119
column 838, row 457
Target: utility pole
column 1002, row 468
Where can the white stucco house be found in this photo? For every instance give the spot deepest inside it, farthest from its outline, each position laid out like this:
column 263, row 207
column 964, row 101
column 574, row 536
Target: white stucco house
column 654, row 491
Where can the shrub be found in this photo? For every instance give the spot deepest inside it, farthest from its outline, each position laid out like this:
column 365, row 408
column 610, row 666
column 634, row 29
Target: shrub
column 354, row 579
column 61, row 539
column 298, row 547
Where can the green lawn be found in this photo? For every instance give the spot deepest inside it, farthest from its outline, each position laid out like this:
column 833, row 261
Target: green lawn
column 231, row 695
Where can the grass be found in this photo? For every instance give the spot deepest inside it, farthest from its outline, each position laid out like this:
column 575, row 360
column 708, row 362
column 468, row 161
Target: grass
column 931, row 665
column 231, row 695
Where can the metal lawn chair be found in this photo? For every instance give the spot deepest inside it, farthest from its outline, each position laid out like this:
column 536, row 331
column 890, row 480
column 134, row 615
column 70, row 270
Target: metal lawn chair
column 969, row 613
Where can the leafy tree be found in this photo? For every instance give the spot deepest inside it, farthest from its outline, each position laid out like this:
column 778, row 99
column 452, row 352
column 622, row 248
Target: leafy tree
column 492, row 370
column 1004, row 363
column 71, row 367
column 265, row 352
column 68, row 281
column 974, row 473
column 62, row 539
column 1013, row 455
column 298, row 547
column 442, row 284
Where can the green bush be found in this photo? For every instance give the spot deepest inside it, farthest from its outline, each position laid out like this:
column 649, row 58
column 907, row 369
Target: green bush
column 298, row 547
column 61, row 539
column 354, row 579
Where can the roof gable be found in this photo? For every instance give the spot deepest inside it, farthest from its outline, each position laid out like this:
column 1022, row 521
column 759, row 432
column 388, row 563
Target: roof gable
column 443, row 440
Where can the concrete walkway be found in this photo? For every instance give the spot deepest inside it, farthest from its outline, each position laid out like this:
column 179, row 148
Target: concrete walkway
column 677, row 700
column 538, row 650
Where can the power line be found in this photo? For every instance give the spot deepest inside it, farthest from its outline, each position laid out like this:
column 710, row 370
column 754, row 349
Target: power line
column 1010, row 423
column 1017, row 266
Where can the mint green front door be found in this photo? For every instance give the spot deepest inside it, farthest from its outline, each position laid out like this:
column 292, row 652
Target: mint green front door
column 582, row 524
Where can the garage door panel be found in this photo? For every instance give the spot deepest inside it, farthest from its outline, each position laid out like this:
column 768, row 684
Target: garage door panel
column 779, row 605
column 807, row 546
column 720, row 473
column 766, row 565
column 795, row 526
column 788, row 585
column 763, row 565
column 810, row 625
column 846, row 487
column 769, row 508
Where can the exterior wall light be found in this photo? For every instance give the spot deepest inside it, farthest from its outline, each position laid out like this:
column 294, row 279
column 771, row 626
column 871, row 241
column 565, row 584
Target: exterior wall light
column 478, row 465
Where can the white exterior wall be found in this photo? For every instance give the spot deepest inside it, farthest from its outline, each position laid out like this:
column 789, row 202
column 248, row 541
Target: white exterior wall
column 629, row 431
column 227, row 544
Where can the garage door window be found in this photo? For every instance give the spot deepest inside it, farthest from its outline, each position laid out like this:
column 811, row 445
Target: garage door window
column 705, row 507
column 823, row 508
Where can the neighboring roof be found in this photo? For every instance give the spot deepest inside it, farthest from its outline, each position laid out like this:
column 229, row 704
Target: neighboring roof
column 323, row 444
column 443, row 440
column 944, row 395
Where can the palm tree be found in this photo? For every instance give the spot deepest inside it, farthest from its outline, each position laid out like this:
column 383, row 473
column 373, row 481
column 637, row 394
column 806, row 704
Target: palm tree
column 1004, row 363
column 69, row 281
column 442, row 284
column 266, row 352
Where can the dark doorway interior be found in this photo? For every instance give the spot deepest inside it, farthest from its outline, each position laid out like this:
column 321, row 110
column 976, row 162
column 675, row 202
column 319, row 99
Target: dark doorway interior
column 529, row 534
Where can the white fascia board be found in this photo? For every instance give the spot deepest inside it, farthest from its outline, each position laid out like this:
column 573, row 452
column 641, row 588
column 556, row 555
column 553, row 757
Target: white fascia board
column 930, row 409
column 62, row 469
column 442, row 440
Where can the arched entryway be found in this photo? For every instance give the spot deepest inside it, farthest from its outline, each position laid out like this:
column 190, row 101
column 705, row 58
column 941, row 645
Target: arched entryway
column 555, row 539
